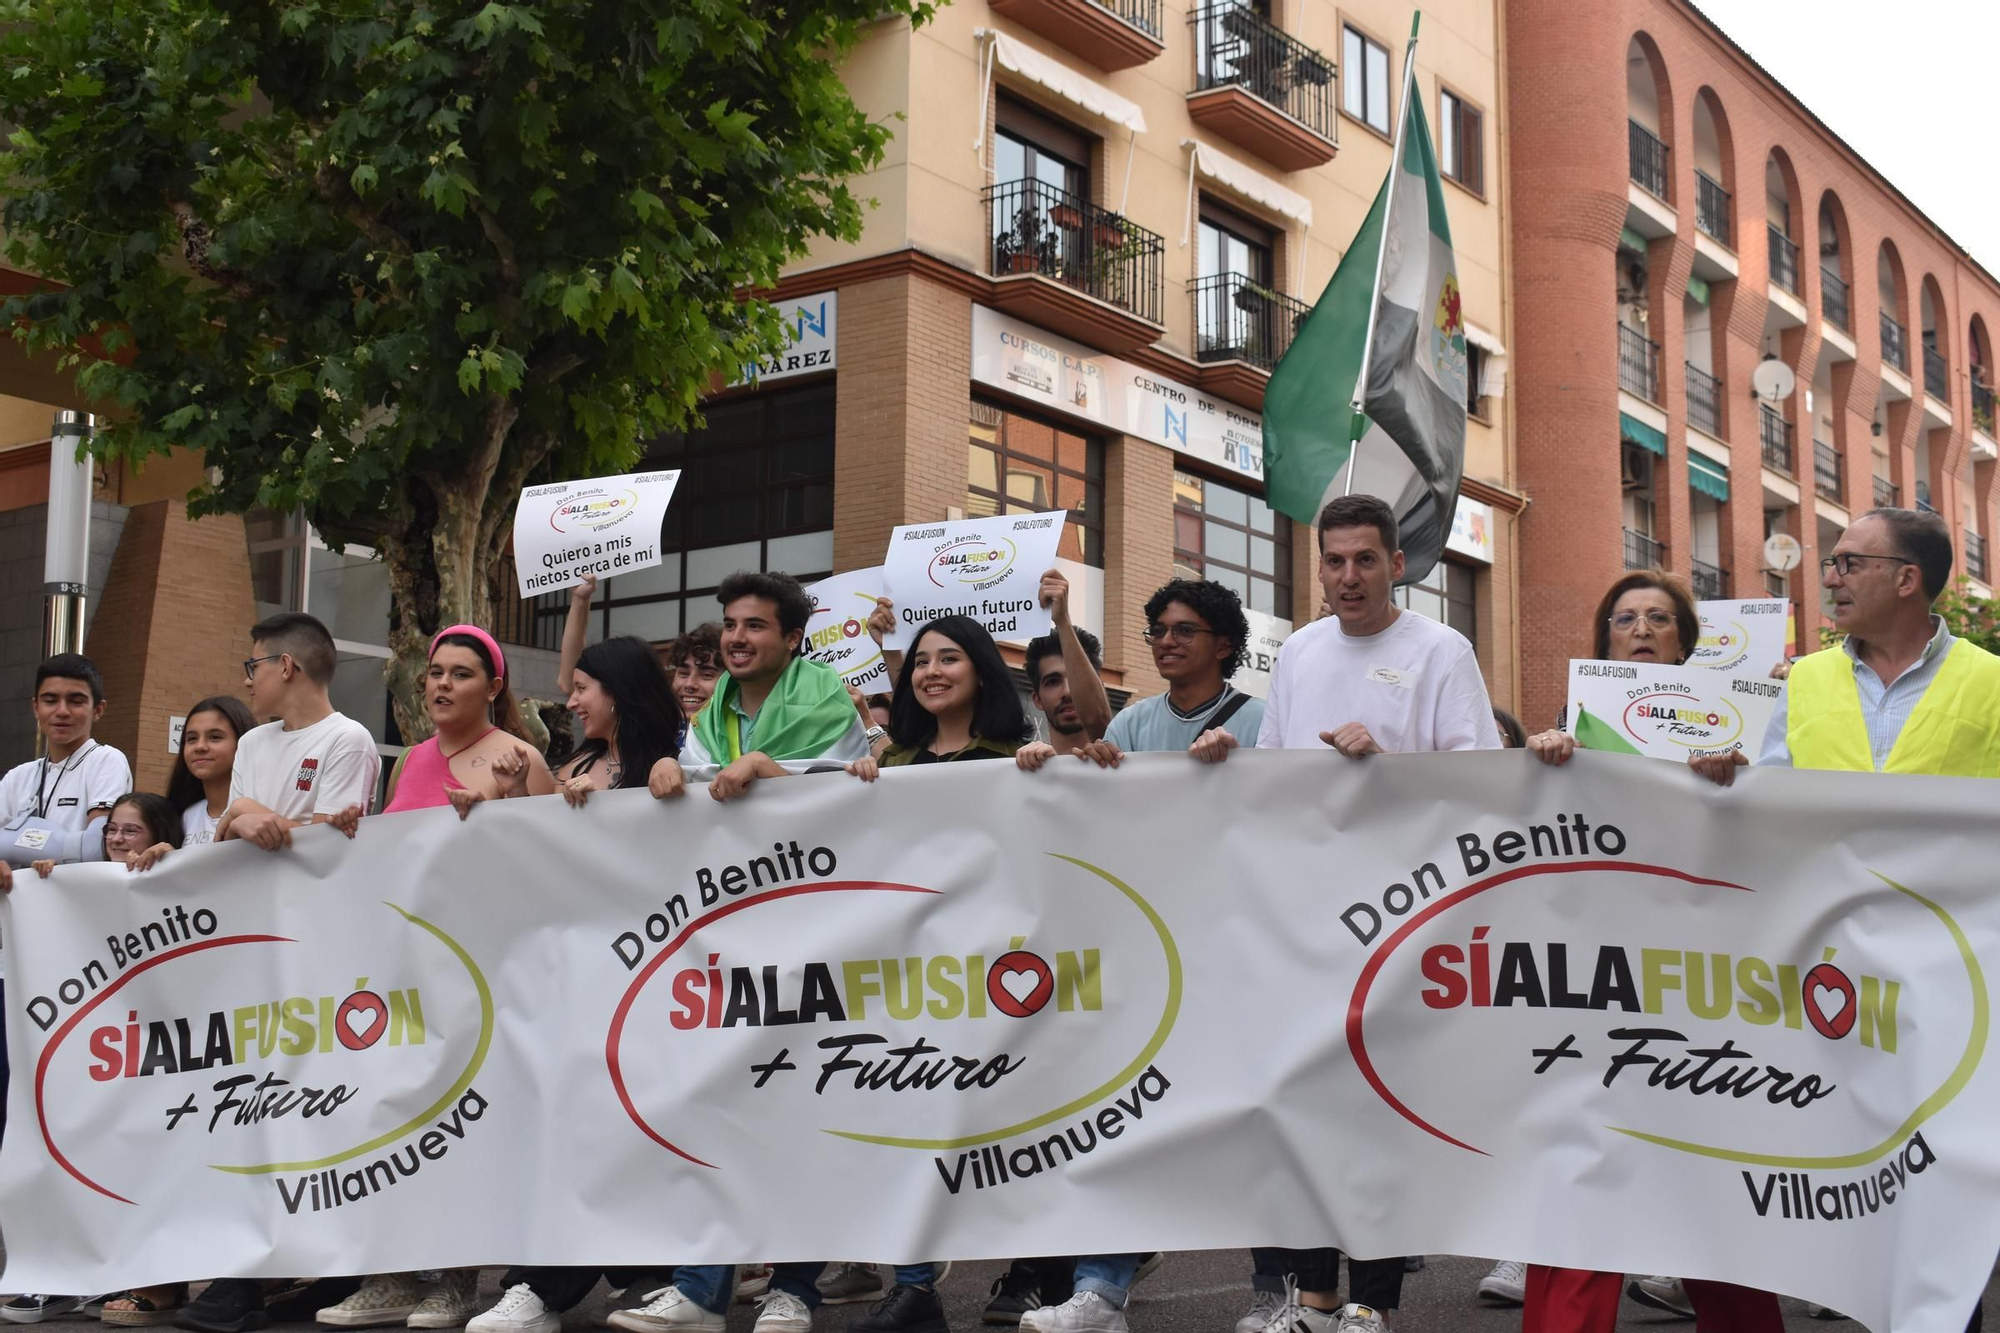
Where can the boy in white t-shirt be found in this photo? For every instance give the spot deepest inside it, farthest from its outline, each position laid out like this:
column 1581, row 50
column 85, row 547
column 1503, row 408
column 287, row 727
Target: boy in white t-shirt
column 53, row 808
column 312, row 764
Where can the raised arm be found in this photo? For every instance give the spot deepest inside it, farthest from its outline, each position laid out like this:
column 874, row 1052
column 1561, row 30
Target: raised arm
column 1086, row 688
column 576, row 627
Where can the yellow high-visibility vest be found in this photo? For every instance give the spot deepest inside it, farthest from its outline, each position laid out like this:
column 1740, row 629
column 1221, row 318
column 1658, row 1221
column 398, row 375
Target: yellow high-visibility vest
column 1954, row 731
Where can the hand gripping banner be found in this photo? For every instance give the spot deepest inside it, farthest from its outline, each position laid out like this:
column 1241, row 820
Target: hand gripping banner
column 1604, row 1016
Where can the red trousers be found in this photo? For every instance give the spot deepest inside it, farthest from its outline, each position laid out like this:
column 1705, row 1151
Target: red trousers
column 1576, row 1300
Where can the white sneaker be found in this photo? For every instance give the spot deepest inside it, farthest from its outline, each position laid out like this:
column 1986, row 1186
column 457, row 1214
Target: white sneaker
column 1359, row 1319
column 455, row 1301
column 752, row 1281
column 1264, row 1305
column 669, row 1311
column 385, row 1298
column 1292, row 1317
column 782, row 1312
column 1085, row 1312
column 1507, row 1284
column 518, row 1311
column 1661, row 1293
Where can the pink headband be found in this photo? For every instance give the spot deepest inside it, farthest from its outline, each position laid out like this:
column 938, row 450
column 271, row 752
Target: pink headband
column 485, row 640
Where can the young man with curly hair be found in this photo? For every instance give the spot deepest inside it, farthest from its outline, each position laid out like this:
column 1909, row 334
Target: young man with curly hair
column 1199, row 638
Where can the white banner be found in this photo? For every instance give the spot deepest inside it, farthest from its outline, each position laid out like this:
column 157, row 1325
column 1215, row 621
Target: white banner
column 987, row 568
column 1665, row 711
column 1604, row 1016
column 1079, row 381
column 601, row 526
column 1746, row 636
column 837, row 631
column 812, row 338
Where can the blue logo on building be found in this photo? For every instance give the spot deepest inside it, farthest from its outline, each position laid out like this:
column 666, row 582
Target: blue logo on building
column 1177, row 422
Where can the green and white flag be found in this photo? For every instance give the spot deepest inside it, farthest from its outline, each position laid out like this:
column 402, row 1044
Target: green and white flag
column 1411, row 448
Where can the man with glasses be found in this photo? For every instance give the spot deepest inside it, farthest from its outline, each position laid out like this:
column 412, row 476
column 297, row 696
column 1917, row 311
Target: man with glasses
column 1199, row 637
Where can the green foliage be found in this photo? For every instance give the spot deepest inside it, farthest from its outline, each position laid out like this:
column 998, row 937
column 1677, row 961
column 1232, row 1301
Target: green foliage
column 1966, row 614
column 390, row 259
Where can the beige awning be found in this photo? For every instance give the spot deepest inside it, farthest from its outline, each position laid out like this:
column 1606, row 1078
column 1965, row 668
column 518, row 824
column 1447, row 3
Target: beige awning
column 1074, row 88
column 1251, row 183
column 1483, row 340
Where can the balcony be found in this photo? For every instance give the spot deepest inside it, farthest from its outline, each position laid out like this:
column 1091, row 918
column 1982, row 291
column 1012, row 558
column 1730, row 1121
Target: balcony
column 1895, row 345
column 1649, row 160
column 1110, row 34
column 1064, row 263
column 1975, row 556
column 1982, row 408
column 1775, row 434
column 1711, row 582
column 1833, row 297
column 1241, row 329
column 1829, row 471
column 1888, row 495
column 1784, row 260
column 1641, row 551
column 1711, row 206
column 1704, row 394
column 1258, row 86
column 1638, row 364
column 1934, row 374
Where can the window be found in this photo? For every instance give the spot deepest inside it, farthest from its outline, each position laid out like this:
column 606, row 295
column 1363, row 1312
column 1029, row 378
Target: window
column 756, row 492
column 1022, row 465
column 1234, row 538
column 1475, row 375
column 1030, row 146
column 1461, row 141
column 1233, row 303
column 1446, row 595
column 1364, row 93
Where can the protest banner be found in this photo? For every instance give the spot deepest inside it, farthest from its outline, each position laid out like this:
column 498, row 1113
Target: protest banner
column 837, row 631
column 1746, row 635
column 987, row 568
column 1737, row 1035
column 600, row 526
column 1668, row 712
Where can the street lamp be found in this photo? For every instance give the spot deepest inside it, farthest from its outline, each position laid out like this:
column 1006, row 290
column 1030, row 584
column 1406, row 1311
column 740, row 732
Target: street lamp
column 66, row 562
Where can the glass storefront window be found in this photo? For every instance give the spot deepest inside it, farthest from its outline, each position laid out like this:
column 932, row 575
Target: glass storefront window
column 1448, row 595
column 1018, row 464
column 1234, row 538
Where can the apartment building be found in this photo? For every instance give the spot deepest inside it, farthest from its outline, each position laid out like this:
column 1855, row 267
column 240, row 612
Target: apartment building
column 1096, row 230
column 1679, row 219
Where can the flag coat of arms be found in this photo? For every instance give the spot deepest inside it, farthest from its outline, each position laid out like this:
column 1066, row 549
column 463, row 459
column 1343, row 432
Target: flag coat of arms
column 1411, row 446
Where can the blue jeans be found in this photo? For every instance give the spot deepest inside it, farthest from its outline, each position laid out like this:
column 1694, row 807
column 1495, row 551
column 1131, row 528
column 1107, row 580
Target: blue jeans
column 1109, row 1275
column 916, row 1275
column 712, row 1285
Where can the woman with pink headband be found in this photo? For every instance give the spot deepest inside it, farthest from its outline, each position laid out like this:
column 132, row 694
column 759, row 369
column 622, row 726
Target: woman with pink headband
column 478, row 752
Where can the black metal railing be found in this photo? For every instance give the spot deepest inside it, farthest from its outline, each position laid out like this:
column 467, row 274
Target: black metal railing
column 1235, row 46
column 1711, row 582
column 1784, row 260
column 1775, row 433
column 533, row 622
column 1888, row 495
column 1236, row 319
column 1982, row 407
column 1141, row 14
column 1833, row 297
column 1924, row 505
column 1895, row 345
column 1934, row 376
column 1711, row 206
column 1638, row 364
column 1975, row 556
column 1704, row 400
column 1649, row 160
column 1829, row 471
column 1642, row 552
column 1037, row 228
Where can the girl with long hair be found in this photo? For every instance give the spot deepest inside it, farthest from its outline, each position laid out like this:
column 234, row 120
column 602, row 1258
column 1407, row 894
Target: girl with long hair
column 199, row 784
column 624, row 705
column 954, row 700
column 478, row 750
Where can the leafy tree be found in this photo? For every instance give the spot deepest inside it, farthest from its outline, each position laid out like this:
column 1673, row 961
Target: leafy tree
column 389, row 260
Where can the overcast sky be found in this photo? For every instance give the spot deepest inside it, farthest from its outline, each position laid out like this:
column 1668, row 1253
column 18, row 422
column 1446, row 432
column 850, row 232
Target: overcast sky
column 1910, row 85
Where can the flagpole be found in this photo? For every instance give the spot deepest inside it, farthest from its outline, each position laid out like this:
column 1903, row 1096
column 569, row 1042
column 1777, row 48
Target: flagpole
column 1382, row 251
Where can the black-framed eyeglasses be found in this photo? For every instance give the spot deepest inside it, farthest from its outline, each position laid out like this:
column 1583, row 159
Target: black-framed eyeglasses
column 1842, row 562
column 1628, row 620
column 250, row 664
column 1182, row 632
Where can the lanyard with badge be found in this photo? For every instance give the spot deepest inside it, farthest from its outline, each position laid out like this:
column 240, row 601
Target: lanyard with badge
column 44, row 797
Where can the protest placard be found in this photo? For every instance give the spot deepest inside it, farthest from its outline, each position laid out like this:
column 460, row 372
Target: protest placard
column 600, row 526
column 837, row 631
column 1746, row 635
column 1668, row 712
column 987, row 568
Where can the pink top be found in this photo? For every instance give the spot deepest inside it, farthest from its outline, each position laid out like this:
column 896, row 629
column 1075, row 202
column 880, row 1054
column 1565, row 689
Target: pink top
column 426, row 776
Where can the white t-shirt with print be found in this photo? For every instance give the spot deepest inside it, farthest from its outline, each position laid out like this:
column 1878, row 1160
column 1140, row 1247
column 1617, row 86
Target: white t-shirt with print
column 317, row 770
column 197, row 825
column 1416, row 687
column 64, row 793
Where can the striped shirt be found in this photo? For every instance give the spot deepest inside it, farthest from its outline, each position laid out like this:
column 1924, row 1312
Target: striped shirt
column 1885, row 708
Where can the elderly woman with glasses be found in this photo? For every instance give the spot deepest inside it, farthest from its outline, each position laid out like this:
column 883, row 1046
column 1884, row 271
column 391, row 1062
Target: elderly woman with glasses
column 1646, row 616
